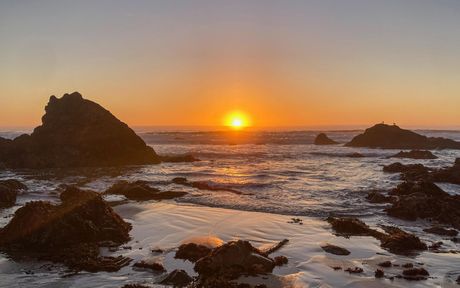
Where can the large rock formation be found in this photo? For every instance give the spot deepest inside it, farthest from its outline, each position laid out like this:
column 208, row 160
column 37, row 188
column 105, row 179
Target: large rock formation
column 322, row 139
column 76, row 133
column 70, row 233
column 392, row 137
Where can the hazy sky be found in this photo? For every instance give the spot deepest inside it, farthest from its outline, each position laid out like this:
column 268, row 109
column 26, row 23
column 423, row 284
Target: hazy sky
column 285, row 63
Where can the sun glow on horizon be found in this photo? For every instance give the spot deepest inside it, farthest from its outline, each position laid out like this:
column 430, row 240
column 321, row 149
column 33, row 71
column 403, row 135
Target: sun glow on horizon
column 237, row 120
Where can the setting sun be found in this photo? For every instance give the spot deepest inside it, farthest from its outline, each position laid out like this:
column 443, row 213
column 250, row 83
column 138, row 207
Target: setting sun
column 237, row 120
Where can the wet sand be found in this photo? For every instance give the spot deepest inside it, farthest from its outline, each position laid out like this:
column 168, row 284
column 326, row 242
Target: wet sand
column 166, row 225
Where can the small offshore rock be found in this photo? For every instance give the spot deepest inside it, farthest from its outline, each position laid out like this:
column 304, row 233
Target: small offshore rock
column 322, row 139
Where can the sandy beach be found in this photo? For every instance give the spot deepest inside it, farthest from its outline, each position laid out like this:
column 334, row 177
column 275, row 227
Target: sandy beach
column 166, row 225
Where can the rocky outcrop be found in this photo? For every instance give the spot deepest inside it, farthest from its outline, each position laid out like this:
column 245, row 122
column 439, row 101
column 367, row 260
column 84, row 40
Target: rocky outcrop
column 192, row 252
column 449, row 174
column 76, row 133
column 233, row 259
column 392, row 137
column 410, row 172
column 441, row 231
column 415, row 154
column 394, row 240
column 141, row 191
column 322, row 139
column 70, row 233
column 8, row 192
column 425, row 200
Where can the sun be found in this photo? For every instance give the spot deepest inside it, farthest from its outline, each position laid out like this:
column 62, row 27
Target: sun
column 237, row 120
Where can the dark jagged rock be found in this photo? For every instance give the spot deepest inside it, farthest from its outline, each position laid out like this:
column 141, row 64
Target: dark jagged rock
column 415, row 274
column 410, row 172
column 192, row 252
column 336, row 250
column 415, row 154
column 425, row 200
column 233, row 259
column 154, row 266
column 449, row 174
column 70, row 233
column 203, row 185
column 280, row 260
column 441, row 231
column 8, row 192
column 354, row 270
column 351, row 227
column 77, row 133
column 385, row 264
column 377, row 197
column 177, row 278
column 379, row 273
column 395, row 240
column 400, row 242
column 392, row 137
column 322, row 139
column 141, row 191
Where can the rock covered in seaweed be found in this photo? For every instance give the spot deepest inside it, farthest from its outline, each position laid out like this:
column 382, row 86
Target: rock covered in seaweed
column 392, row 137
column 322, row 139
column 70, row 233
column 76, row 132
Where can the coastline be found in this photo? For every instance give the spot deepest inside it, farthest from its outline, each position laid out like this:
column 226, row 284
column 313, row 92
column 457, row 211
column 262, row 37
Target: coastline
column 166, row 225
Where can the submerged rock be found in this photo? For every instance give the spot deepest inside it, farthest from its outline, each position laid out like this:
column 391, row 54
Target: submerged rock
column 70, row 233
column 192, row 252
column 395, row 240
column 141, row 191
column 322, row 139
column 415, row 154
column 77, row 133
column 392, row 137
column 336, row 250
column 8, row 192
column 379, row 273
column 377, row 197
column 178, row 158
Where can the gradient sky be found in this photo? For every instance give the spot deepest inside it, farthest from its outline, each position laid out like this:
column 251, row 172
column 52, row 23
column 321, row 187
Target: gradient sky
column 285, row 63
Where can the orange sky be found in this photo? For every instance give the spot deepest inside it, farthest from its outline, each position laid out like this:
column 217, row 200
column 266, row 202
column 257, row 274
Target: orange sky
column 284, row 64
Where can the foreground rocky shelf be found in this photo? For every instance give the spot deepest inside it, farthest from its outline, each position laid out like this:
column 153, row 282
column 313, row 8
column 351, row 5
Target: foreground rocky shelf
column 70, row 233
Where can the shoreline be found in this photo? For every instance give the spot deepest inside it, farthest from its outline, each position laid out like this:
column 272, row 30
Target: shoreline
column 165, row 225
